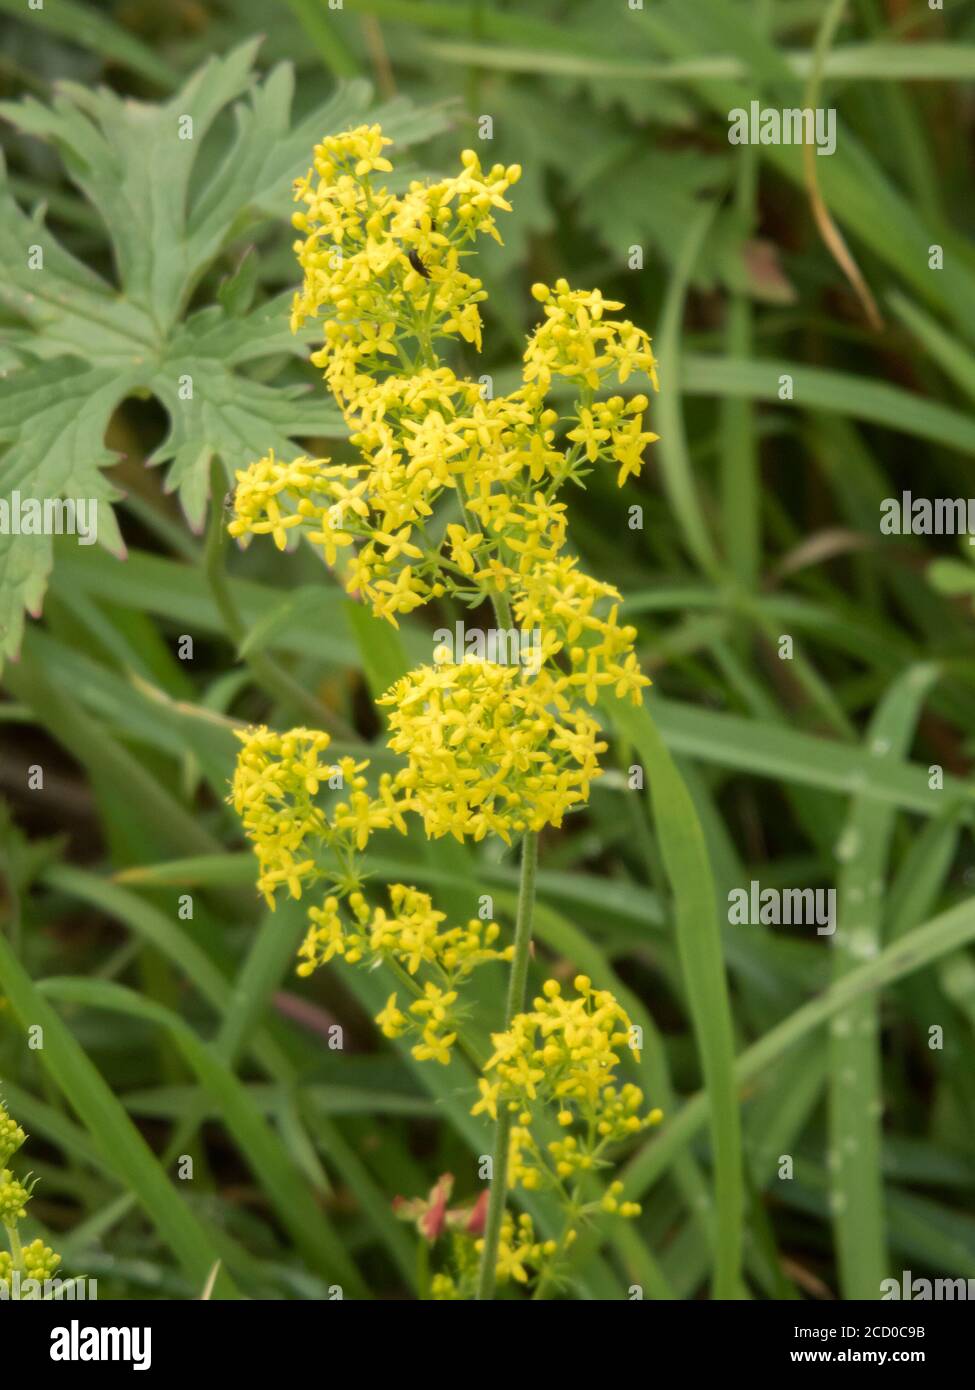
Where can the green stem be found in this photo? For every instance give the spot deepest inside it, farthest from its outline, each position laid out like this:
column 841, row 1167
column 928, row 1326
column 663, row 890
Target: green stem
column 16, row 1249
column 523, row 927
column 502, row 609
column 516, row 1003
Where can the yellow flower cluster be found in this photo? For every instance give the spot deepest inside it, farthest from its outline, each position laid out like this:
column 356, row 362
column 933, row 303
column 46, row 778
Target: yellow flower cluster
column 560, row 1059
column 433, row 1017
column 420, row 435
column 454, row 495
column 430, row 432
column 14, row 1197
column 382, row 274
column 383, row 270
column 490, row 749
column 577, row 342
column 521, row 1255
column 273, row 497
column 11, row 1136
column 560, row 601
column 278, row 783
column 522, row 1259
column 35, row 1260
column 411, row 937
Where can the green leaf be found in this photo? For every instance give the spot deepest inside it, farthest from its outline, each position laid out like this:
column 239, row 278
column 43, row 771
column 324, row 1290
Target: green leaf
column 123, row 1147
column 84, row 26
column 862, row 398
column 135, row 163
column 53, row 417
column 855, row 1086
column 685, row 855
column 916, row 949
column 263, row 1150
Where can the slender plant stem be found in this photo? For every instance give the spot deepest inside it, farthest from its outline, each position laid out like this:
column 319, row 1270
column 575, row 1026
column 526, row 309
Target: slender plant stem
column 16, row 1249
column 516, row 1003
column 523, row 927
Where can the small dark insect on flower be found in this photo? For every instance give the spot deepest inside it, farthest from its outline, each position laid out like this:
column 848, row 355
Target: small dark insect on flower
column 418, row 265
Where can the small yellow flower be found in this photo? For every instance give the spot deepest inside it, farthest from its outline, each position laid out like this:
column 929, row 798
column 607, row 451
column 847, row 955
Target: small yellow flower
column 392, row 1023
column 488, row 1103
column 434, row 1046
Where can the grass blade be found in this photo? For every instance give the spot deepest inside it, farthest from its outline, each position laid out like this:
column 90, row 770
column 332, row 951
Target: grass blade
column 268, row 1160
column 699, row 944
column 125, row 1151
column 855, row 1085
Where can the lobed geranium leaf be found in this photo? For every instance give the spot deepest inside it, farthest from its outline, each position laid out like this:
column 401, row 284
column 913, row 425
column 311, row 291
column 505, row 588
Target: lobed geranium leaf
column 176, row 184
column 53, row 417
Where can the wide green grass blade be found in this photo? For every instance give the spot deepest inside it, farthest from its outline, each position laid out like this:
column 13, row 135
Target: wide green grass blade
column 685, row 856
column 678, row 474
column 785, row 755
column 82, row 25
column 856, row 1084
column 125, row 1151
column 841, row 393
column 866, row 62
column 174, row 827
column 177, row 592
column 921, row 947
column 270, row 1164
